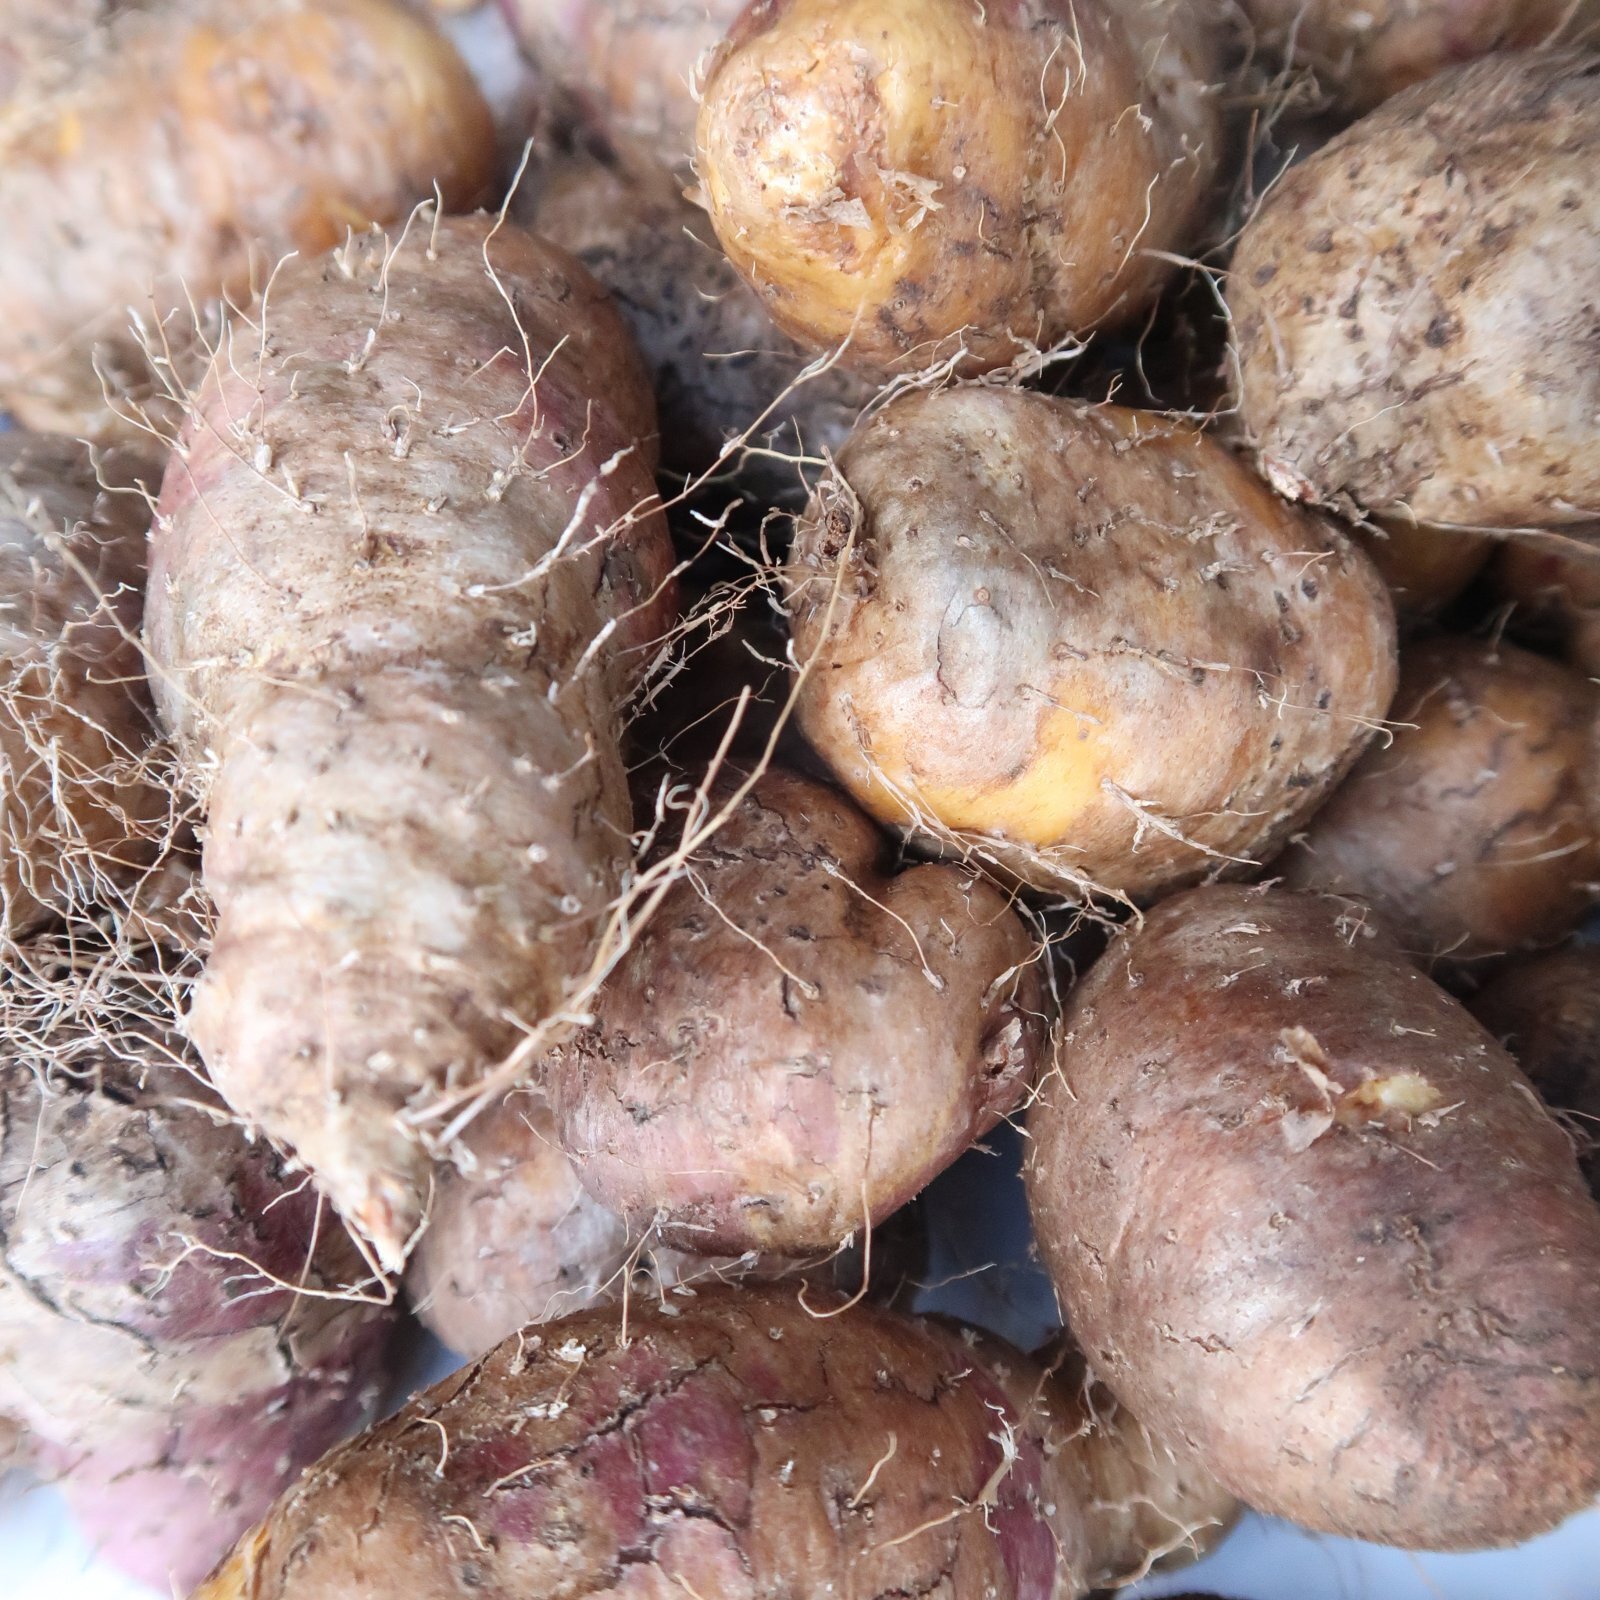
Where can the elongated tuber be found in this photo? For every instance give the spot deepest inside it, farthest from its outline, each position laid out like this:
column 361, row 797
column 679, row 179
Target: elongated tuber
column 1306, row 1216
column 742, row 1447
column 407, row 562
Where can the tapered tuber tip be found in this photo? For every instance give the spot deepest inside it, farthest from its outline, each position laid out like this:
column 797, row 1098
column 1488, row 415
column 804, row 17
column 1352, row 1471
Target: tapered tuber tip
column 388, row 1219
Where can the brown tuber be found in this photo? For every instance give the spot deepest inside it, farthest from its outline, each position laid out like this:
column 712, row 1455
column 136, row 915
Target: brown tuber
column 917, row 181
column 1307, row 1218
column 1084, row 644
column 1412, row 304
column 179, row 1328
column 407, row 563
column 740, row 1449
column 79, row 816
column 171, row 157
column 1476, row 828
column 1363, row 53
column 800, row 1039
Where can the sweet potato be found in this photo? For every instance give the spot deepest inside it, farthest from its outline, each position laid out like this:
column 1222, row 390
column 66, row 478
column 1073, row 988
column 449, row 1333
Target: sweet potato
column 1364, row 53
column 175, row 154
column 741, row 1448
column 171, row 1333
column 1545, row 1009
column 514, row 1238
column 720, row 367
column 78, row 817
column 800, row 1039
column 1556, row 590
column 1477, row 829
column 1413, row 304
column 925, row 180
column 406, row 564
column 628, row 67
column 1307, row 1217
column 1083, row 643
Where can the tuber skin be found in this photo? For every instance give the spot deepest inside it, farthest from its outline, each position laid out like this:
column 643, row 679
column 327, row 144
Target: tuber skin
column 78, row 817
column 744, row 1449
column 406, row 565
column 1555, row 586
column 916, row 181
column 1306, row 1217
column 1425, row 568
column 516, row 1239
column 1085, row 644
column 1411, row 304
column 1362, row 54
column 628, row 67
column 1473, row 832
column 1545, row 1009
column 719, row 366
column 799, row 1040
column 156, row 173
column 173, row 1390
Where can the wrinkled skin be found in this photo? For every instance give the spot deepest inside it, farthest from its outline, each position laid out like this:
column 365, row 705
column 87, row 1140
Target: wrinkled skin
column 173, row 156
column 1555, row 587
column 1473, row 831
column 1425, row 568
column 515, row 1239
column 920, row 181
column 1545, row 1009
column 629, row 67
column 742, row 1449
column 1307, row 1217
column 720, row 368
column 1085, row 643
column 1416, row 305
column 798, row 1041
column 1363, row 53
column 175, row 1404
column 77, row 820
column 407, row 705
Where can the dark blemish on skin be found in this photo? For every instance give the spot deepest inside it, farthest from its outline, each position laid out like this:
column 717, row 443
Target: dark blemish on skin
column 1322, row 244
column 1442, row 331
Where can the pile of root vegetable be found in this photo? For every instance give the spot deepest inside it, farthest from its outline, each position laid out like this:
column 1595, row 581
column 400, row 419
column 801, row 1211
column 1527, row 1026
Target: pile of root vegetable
column 626, row 623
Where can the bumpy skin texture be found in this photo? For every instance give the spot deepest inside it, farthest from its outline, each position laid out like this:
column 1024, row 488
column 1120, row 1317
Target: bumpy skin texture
column 75, row 718
column 173, row 1404
column 716, row 359
column 1085, row 642
column 1557, row 588
column 1545, row 1009
column 1425, row 568
column 173, row 156
column 628, row 67
column 799, row 1040
column 1416, row 307
column 399, row 589
column 1475, row 830
column 743, row 1449
column 1307, row 1217
column 1364, row 53
column 935, row 177
column 516, row 1239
